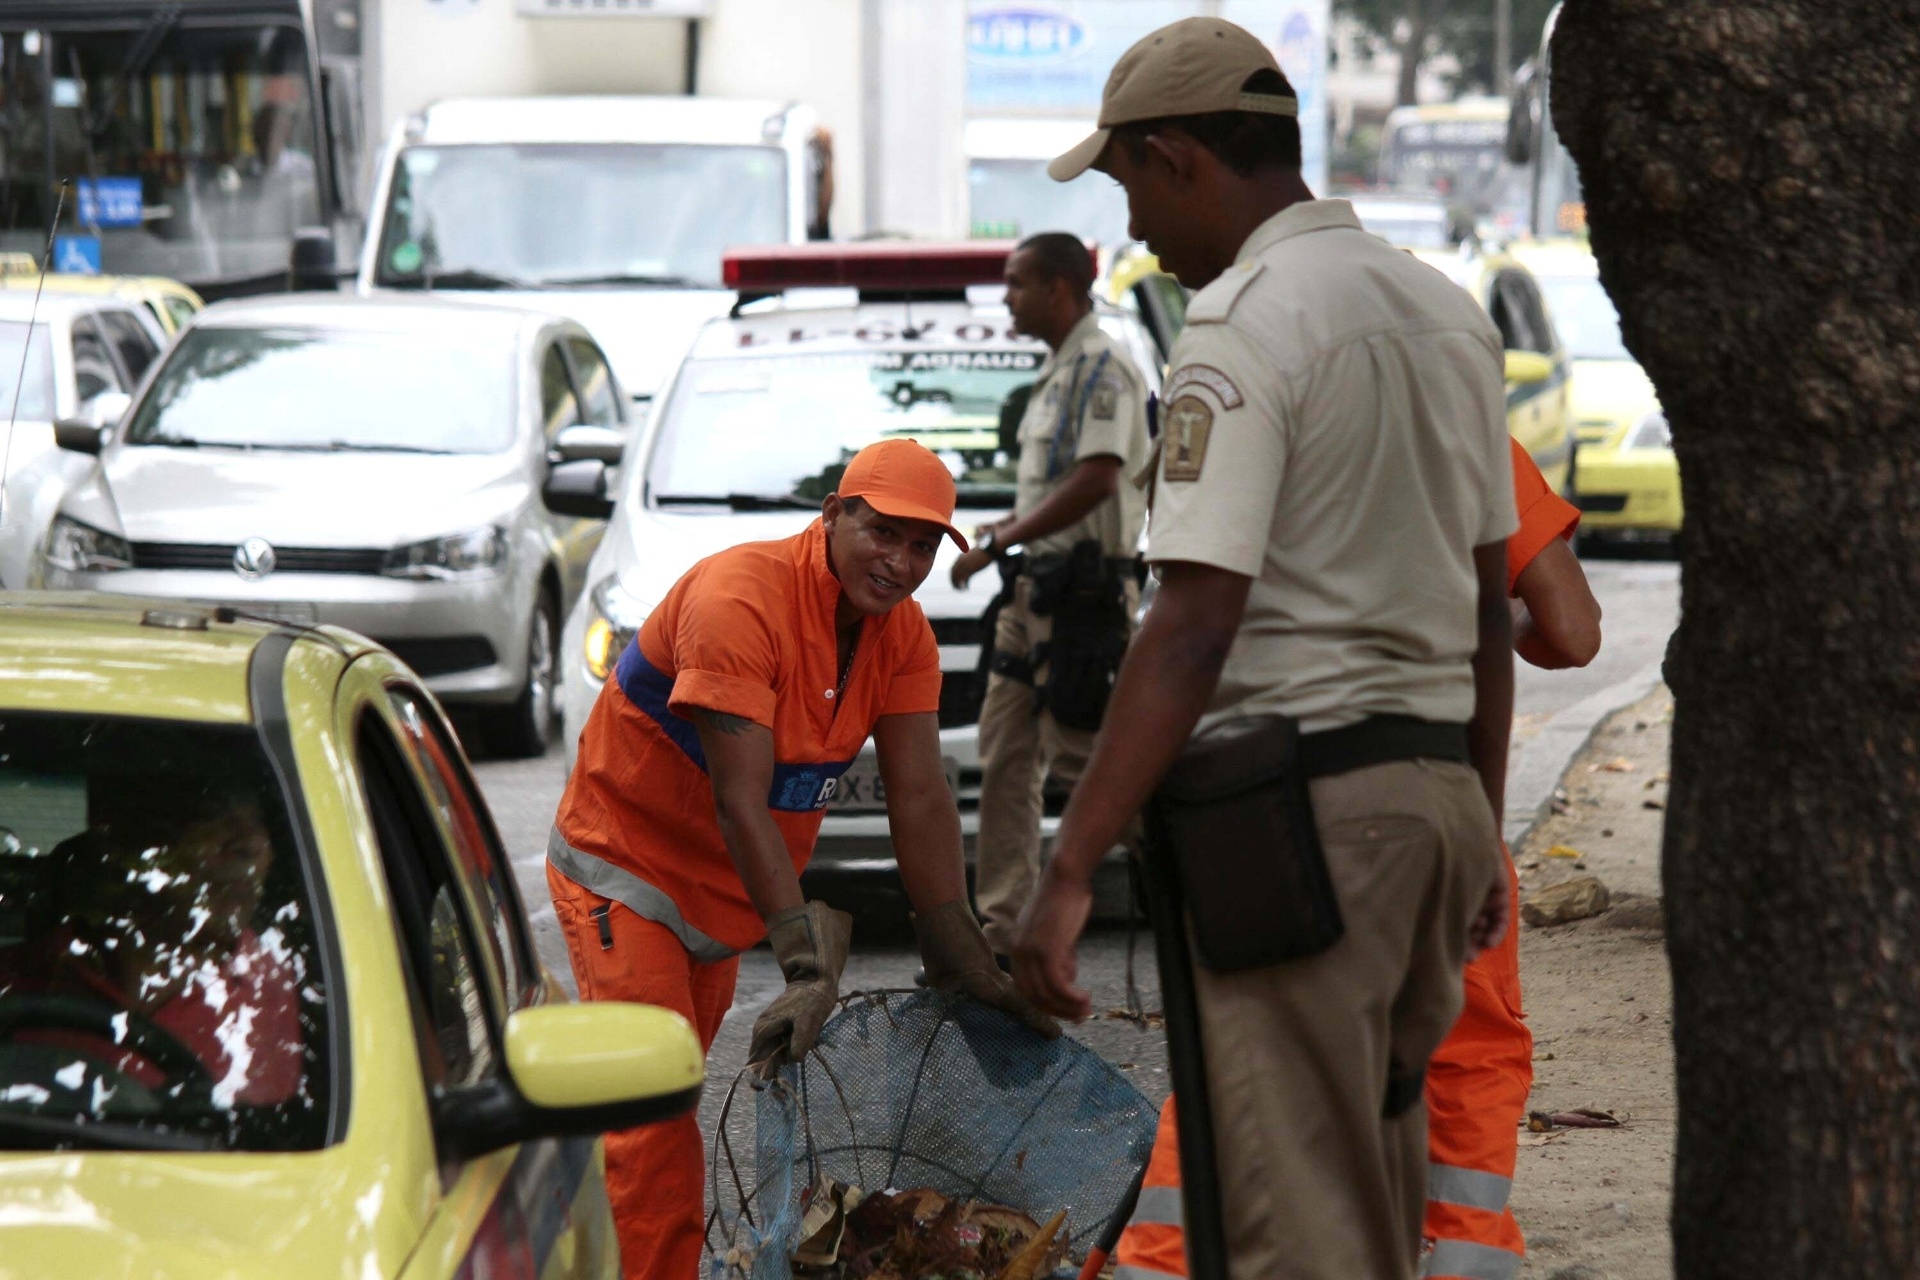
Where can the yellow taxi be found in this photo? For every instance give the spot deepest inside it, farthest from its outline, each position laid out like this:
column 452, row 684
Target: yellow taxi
column 269, row 1005
column 170, row 303
column 1539, row 409
column 1627, row 481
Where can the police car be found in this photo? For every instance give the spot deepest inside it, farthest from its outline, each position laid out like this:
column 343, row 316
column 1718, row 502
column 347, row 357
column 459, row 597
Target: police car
column 830, row 347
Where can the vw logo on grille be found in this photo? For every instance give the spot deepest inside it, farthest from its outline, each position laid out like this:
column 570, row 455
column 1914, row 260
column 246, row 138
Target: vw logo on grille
column 253, row 559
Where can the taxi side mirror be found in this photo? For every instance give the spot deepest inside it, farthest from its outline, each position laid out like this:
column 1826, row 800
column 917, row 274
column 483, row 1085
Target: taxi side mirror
column 576, row 1070
column 1524, row 367
column 578, row 489
column 584, row 440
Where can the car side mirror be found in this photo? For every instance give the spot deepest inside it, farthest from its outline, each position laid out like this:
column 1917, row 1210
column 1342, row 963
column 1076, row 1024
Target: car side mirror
column 578, row 489
column 583, row 440
column 315, row 263
column 1527, row 367
column 80, row 436
column 575, row 1070
column 106, row 409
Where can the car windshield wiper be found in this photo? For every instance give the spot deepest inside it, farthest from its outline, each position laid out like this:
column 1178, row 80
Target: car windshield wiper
column 740, row 501
column 661, row 281
column 334, row 446
column 49, row 1133
column 167, row 442
column 461, row 278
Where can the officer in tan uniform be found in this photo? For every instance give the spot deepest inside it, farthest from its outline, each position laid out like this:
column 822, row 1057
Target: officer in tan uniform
column 1318, row 703
column 1077, row 516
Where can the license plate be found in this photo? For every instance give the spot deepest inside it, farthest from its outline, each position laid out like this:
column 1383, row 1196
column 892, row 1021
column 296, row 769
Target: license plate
column 862, row 788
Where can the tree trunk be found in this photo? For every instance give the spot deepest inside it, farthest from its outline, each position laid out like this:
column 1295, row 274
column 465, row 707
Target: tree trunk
column 1413, row 51
column 1752, row 177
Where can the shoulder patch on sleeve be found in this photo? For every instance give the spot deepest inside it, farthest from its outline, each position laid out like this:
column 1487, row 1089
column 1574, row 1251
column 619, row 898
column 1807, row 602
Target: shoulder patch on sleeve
column 1205, row 375
column 1214, row 304
column 1105, row 402
column 1184, row 452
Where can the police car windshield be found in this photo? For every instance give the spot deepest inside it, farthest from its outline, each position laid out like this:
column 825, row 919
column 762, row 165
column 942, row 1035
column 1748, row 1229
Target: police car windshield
column 576, row 216
column 1584, row 315
column 427, row 391
column 789, row 424
column 160, row 981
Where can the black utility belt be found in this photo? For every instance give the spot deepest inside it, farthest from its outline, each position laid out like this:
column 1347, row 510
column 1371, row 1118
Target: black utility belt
column 1380, row 739
column 1043, row 566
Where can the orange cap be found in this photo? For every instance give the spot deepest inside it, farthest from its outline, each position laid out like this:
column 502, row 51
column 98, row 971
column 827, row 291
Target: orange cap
column 902, row 479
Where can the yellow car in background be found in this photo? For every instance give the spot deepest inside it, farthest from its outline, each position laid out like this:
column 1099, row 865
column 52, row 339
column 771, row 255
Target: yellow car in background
column 1627, row 481
column 169, row 303
column 269, row 1004
column 1539, row 411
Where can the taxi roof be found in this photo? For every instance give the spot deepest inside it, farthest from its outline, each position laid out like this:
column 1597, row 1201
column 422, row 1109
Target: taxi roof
column 19, row 305
column 607, row 118
column 385, row 312
column 115, row 655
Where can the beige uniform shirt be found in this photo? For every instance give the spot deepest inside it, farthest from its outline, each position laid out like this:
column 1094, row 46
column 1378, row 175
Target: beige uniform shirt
column 1335, row 429
column 1088, row 401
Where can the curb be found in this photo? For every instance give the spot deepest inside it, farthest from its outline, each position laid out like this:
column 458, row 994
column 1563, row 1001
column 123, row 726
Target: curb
column 1534, row 772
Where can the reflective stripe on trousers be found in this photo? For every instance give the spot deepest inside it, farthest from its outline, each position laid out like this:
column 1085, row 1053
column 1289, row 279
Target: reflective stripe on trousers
column 1465, row 1260
column 1469, row 1188
column 599, row 876
column 1475, row 1192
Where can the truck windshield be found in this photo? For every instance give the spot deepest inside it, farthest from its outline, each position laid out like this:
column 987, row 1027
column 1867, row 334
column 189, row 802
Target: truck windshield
column 1011, row 199
column 192, row 147
column 786, row 426
column 160, row 978
column 555, row 216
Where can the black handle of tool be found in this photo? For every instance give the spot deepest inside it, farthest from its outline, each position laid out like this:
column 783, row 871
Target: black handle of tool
column 1205, row 1227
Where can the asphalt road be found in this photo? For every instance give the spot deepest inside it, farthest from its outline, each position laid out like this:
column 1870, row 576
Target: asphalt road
column 1640, row 600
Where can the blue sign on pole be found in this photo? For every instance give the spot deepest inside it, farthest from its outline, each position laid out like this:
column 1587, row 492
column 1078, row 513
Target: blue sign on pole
column 109, row 202
column 77, row 255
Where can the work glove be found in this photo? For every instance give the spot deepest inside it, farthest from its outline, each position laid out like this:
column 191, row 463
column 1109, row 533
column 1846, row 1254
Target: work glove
column 810, row 942
column 956, row 957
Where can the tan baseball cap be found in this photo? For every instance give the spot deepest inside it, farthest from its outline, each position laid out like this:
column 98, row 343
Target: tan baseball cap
column 1186, row 68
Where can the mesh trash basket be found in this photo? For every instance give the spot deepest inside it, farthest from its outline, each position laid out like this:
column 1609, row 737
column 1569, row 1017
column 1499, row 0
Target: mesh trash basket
column 925, row 1089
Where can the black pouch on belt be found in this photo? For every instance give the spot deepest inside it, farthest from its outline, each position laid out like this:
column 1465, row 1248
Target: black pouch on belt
column 1236, row 814
column 1086, row 598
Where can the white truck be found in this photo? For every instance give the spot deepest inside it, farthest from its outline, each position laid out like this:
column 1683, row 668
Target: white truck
column 612, row 210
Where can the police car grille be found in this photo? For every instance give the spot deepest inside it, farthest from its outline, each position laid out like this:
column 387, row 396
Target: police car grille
column 213, row 555
column 445, row 655
column 960, row 696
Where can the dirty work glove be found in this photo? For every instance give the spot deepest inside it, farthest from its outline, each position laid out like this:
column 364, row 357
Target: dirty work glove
column 957, row 958
column 810, row 942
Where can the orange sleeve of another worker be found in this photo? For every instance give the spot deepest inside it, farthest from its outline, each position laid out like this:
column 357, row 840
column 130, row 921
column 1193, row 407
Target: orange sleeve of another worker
column 916, row 680
column 1544, row 515
column 725, row 657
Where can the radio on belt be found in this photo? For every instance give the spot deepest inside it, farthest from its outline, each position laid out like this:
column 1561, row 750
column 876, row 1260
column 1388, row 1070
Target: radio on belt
column 917, row 270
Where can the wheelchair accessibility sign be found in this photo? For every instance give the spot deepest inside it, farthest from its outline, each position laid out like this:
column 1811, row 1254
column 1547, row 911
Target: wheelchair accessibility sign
column 77, row 255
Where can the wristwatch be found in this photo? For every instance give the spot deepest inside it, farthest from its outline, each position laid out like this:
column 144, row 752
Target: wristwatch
column 987, row 541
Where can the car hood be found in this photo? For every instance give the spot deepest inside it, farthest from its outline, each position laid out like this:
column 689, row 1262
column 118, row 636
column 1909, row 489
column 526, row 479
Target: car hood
column 152, row 494
column 650, row 549
column 1610, row 396
column 644, row 332
column 115, row 1216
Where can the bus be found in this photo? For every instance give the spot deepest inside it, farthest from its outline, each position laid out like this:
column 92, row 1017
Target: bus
column 214, row 142
column 1451, row 150
column 1555, row 206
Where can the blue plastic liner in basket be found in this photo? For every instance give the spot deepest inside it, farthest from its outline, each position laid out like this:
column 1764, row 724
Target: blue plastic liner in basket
column 926, row 1089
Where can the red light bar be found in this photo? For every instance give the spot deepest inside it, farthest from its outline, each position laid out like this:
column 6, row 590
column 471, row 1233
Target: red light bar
column 883, row 266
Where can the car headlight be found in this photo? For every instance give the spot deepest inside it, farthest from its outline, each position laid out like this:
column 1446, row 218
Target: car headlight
column 472, row 554
column 616, row 619
column 82, row 548
column 1651, row 432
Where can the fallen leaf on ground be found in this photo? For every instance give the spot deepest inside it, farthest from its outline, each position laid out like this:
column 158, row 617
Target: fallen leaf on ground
column 1564, row 851
column 1578, row 1118
column 1653, row 804
column 1619, row 764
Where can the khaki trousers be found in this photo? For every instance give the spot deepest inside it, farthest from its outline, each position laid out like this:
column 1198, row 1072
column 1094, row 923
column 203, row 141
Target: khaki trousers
column 1317, row 1184
column 1018, row 750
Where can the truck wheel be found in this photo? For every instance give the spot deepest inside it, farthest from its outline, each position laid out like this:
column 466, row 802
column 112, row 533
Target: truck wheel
column 523, row 729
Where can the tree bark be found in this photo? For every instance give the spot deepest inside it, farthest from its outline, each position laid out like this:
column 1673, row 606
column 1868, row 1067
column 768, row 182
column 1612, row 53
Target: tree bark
column 1752, row 177
column 1413, row 51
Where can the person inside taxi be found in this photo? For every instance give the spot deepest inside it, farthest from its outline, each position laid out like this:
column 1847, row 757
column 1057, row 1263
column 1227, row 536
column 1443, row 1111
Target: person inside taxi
column 703, row 771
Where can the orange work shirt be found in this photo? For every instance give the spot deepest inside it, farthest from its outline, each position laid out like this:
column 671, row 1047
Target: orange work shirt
column 749, row 632
column 1544, row 515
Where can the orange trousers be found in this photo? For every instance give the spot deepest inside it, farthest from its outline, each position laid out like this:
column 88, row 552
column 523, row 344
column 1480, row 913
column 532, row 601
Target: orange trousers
column 1477, row 1086
column 656, row 1175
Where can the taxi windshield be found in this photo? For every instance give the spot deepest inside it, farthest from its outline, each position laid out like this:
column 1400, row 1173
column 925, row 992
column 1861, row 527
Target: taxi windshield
column 428, row 391
column 785, row 427
column 160, row 985
column 1584, row 315
column 558, row 216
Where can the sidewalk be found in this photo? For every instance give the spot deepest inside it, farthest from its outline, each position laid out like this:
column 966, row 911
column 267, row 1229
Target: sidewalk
column 1594, row 1202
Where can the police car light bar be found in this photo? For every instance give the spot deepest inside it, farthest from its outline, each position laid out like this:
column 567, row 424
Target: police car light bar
column 893, row 267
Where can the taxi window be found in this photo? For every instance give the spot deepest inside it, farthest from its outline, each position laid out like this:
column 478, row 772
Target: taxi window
column 785, row 426
column 93, row 368
column 599, row 404
column 559, row 407
column 160, row 978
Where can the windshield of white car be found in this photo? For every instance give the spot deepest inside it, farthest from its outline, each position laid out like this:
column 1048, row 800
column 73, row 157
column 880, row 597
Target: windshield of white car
column 1583, row 313
column 785, row 426
column 577, row 215
column 36, row 389
column 1013, row 198
column 429, row 390
column 160, row 977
